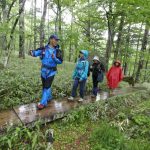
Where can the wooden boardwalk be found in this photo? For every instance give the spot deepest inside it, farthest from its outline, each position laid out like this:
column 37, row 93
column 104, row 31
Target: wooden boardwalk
column 28, row 114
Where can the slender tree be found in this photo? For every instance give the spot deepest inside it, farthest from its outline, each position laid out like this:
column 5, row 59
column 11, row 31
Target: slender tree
column 143, row 49
column 21, row 32
column 42, row 24
column 35, row 31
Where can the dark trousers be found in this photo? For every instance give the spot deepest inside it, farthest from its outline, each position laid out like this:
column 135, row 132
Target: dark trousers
column 95, row 85
column 46, row 83
column 82, row 87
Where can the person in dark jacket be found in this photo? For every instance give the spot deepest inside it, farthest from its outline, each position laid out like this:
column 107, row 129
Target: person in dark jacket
column 97, row 69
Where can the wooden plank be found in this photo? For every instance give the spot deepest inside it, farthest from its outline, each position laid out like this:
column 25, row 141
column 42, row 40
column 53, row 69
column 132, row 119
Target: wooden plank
column 55, row 109
column 28, row 114
column 8, row 118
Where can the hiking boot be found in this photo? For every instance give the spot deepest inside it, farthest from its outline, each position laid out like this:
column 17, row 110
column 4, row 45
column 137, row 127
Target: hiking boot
column 70, row 98
column 98, row 97
column 81, row 100
column 40, row 106
column 93, row 96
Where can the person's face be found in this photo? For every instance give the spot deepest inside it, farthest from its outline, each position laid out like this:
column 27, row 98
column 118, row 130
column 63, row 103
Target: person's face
column 81, row 55
column 95, row 61
column 53, row 42
column 116, row 64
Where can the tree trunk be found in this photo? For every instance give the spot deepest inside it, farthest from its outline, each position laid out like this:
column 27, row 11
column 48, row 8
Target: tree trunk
column 42, row 24
column 118, row 45
column 59, row 5
column 35, row 34
column 146, row 65
column 4, row 38
column 125, row 63
column 137, row 50
column 143, row 48
column 59, row 18
column 88, row 25
column 71, row 27
column 111, row 34
column 11, row 34
column 21, row 33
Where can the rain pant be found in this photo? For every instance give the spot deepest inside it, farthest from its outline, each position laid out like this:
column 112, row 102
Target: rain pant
column 80, row 74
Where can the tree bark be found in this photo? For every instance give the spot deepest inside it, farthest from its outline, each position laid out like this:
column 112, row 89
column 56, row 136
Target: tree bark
column 71, row 27
column 143, row 48
column 88, row 25
column 35, row 34
column 137, row 50
column 118, row 45
column 42, row 24
column 11, row 34
column 21, row 33
column 111, row 34
column 125, row 63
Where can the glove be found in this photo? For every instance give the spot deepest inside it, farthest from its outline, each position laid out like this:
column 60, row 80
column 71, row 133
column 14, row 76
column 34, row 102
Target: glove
column 30, row 53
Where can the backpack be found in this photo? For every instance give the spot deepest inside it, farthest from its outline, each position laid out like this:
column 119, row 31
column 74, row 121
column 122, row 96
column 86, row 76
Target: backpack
column 59, row 53
column 100, row 77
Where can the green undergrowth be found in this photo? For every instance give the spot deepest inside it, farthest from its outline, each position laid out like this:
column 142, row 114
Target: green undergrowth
column 21, row 83
column 120, row 124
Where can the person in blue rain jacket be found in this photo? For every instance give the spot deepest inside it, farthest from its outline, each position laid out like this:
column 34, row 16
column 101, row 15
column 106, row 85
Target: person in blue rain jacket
column 80, row 75
column 50, row 56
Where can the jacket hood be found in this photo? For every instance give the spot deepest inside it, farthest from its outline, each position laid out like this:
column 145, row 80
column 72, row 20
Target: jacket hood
column 85, row 53
column 117, row 61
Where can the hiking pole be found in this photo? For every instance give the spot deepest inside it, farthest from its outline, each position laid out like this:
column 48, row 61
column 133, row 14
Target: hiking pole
column 17, row 115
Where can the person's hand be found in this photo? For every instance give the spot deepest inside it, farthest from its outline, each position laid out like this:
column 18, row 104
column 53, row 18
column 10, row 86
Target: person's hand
column 53, row 56
column 87, row 80
column 80, row 80
column 30, row 52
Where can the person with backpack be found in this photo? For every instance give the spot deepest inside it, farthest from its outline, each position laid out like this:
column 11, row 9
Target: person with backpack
column 97, row 69
column 114, row 75
column 80, row 75
column 50, row 56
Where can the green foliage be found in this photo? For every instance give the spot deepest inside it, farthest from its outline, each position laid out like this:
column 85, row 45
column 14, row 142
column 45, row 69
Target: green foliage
column 107, row 137
column 24, row 138
column 145, row 75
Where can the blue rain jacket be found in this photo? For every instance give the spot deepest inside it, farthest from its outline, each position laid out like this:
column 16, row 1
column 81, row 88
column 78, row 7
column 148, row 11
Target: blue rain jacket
column 82, row 66
column 47, row 61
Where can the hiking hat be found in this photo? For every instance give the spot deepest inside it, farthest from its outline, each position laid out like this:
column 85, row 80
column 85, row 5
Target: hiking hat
column 96, row 58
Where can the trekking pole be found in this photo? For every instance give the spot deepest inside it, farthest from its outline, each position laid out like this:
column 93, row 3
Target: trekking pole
column 17, row 115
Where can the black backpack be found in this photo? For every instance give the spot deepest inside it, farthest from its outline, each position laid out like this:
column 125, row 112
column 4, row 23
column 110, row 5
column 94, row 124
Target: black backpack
column 59, row 53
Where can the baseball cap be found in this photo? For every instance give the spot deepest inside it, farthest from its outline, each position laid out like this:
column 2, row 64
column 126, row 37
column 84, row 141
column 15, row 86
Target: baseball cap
column 53, row 36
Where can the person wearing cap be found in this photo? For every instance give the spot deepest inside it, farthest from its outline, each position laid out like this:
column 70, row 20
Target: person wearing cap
column 80, row 75
column 97, row 69
column 114, row 75
column 50, row 56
